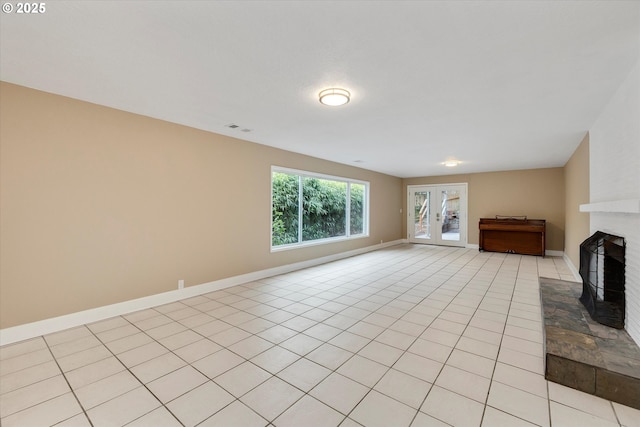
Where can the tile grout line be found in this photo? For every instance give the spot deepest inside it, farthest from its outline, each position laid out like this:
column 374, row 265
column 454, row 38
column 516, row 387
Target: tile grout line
column 75, row 396
column 128, row 369
column 366, row 285
column 336, row 371
column 515, row 284
column 405, row 351
column 485, row 403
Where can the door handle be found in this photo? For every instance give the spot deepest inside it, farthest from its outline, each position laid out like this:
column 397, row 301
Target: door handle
column 437, row 216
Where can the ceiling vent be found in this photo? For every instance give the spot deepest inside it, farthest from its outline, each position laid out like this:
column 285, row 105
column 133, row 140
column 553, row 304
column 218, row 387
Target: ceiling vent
column 235, row 126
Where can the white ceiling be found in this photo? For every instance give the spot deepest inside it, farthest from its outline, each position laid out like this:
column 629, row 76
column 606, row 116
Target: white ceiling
column 498, row 85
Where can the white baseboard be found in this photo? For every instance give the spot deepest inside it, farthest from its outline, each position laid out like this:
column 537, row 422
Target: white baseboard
column 546, row 253
column 574, row 270
column 55, row 324
column 554, row 253
column 467, row 246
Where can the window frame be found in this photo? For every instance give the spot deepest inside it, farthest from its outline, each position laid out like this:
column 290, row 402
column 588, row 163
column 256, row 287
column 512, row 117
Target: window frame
column 301, row 174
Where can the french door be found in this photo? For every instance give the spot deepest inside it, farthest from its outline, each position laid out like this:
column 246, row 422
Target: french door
column 437, row 214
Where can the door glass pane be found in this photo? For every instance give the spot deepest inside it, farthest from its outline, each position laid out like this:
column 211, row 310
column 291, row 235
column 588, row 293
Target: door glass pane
column 324, row 212
column 450, row 214
column 422, row 215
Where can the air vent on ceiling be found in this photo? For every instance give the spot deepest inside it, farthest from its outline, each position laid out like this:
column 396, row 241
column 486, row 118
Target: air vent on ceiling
column 235, row 126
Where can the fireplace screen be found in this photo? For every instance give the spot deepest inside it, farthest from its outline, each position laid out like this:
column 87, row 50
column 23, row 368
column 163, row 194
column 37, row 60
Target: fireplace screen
column 602, row 270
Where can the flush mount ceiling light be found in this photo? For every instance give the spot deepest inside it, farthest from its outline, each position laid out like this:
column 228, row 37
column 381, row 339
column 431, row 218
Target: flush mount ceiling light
column 334, row 96
column 451, row 163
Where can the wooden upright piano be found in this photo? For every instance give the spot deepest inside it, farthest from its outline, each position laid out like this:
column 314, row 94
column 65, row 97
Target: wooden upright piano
column 516, row 235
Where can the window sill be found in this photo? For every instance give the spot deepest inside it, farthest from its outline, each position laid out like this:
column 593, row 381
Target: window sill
column 318, row 242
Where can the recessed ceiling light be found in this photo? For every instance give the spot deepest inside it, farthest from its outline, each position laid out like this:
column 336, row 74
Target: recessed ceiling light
column 451, row 163
column 334, row 96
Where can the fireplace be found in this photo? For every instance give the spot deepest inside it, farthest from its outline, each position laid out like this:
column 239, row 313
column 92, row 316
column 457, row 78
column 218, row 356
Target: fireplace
column 602, row 267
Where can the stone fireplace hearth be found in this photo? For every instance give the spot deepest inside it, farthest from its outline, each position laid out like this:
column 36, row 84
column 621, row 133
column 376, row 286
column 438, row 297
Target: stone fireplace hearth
column 583, row 354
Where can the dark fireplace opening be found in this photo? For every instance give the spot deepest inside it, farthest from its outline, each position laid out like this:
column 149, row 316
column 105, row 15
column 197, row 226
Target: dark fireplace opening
column 602, row 270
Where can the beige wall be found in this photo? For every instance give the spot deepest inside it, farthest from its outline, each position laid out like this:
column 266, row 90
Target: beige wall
column 99, row 206
column 536, row 193
column 576, row 177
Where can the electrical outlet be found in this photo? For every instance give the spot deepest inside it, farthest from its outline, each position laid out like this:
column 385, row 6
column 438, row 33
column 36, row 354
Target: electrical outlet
column 180, row 284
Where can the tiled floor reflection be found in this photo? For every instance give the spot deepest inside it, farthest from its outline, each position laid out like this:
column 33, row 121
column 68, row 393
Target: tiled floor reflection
column 405, row 336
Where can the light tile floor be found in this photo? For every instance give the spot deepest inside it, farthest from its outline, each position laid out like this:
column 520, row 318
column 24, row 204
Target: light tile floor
column 405, row 336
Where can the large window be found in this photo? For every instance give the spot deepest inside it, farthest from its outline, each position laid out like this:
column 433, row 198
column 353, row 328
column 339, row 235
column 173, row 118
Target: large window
column 308, row 207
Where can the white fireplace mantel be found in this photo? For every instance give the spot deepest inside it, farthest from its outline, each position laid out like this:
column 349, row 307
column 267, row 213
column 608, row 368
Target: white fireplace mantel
column 614, row 206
